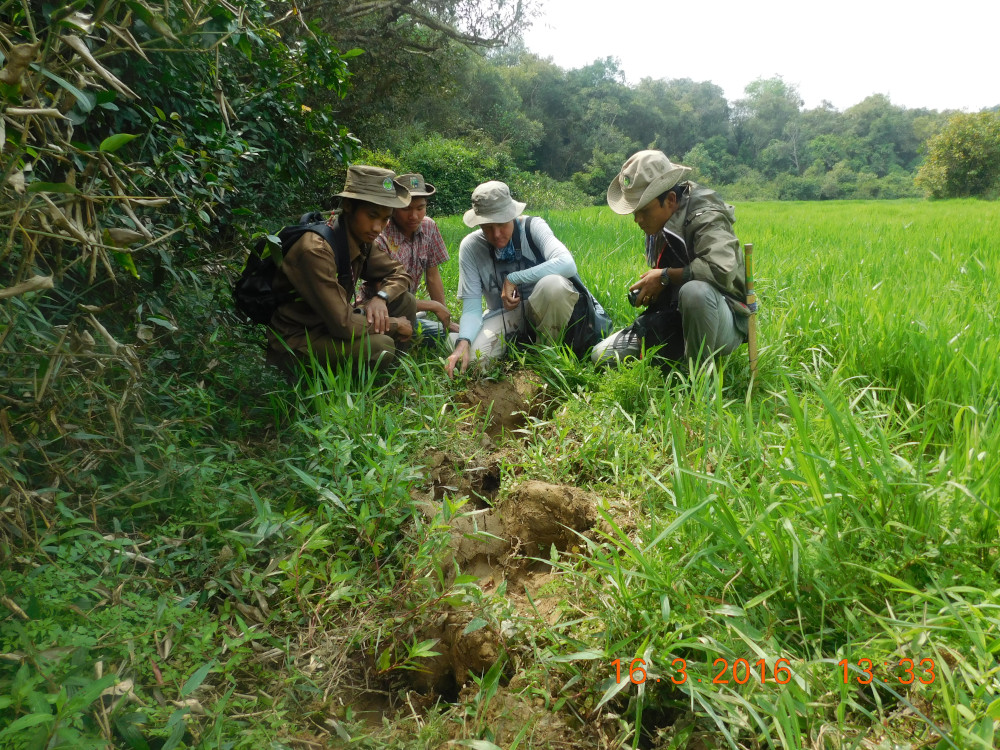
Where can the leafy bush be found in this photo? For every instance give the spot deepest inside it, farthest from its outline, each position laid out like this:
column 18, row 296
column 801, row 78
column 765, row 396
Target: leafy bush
column 598, row 173
column 455, row 167
column 750, row 186
column 792, row 188
column 964, row 158
column 542, row 193
column 174, row 120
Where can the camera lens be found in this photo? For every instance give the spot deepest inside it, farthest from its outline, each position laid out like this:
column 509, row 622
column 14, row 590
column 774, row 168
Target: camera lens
column 633, row 297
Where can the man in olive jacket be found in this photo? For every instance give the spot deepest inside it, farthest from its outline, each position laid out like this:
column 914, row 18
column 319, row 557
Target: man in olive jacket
column 323, row 319
column 695, row 292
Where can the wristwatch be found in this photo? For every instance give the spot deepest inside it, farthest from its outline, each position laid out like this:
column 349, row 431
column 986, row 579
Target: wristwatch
column 665, row 277
column 383, row 295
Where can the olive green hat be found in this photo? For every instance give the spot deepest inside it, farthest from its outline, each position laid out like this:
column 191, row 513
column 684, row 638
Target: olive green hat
column 415, row 184
column 375, row 185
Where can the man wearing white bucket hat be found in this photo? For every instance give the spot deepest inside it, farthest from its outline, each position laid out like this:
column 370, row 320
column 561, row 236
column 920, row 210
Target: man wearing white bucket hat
column 527, row 278
column 695, row 292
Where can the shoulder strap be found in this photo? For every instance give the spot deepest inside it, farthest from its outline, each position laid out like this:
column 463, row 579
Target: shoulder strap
column 341, row 255
column 531, row 240
column 575, row 280
column 535, row 252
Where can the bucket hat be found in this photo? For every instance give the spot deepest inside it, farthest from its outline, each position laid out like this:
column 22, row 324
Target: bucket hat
column 375, row 185
column 415, row 184
column 492, row 204
column 643, row 176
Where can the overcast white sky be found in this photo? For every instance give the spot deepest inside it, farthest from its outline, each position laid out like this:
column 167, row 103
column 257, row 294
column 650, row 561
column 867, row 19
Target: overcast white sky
column 940, row 55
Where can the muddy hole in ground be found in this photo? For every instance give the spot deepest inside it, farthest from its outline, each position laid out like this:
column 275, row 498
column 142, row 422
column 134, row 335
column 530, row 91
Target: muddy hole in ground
column 475, row 478
column 525, row 524
column 460, row 652
column 497, row 544
column 507, row 404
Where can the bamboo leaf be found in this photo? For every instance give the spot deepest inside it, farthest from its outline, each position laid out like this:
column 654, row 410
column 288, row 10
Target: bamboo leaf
column 31, row 720
column 114, row 142
column 86, row 102
column 126, row 262
column 587, row 655
column 612, row 691
column 993, row 710
column 83, row 698
column 52, row 187
column 476, row 623
column 195, row 680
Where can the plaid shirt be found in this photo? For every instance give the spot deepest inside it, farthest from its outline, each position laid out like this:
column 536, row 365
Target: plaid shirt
column 424, row 251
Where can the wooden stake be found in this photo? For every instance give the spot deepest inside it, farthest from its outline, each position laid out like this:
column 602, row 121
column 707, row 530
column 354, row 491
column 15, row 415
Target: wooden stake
column 752, row 304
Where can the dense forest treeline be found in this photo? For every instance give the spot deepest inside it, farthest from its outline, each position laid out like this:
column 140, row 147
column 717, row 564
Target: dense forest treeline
column 576, row 127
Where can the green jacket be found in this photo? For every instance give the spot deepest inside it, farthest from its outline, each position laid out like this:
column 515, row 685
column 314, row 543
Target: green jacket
column 705, row 225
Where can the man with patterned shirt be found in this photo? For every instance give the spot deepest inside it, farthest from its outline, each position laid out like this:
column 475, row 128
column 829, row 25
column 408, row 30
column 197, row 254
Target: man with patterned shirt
column 414, row 240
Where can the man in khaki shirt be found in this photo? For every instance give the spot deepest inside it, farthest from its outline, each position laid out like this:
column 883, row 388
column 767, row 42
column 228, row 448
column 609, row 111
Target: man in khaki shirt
column 323, row 319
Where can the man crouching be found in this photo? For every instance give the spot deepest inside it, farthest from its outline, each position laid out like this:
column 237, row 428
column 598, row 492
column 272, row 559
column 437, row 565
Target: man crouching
column 323, row 319
column 695, row 292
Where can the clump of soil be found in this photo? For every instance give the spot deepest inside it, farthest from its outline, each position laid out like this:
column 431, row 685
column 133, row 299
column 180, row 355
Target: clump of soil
column 535, row 516
column 459, row 652
column 498, row 543
column 538, row 515
column 508, row 403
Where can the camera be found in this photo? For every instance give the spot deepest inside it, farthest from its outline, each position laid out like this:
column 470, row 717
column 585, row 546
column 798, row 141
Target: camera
column 633, row 297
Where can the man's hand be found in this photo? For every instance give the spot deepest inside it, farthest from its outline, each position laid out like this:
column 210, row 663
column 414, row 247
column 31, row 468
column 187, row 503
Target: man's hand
column 649, row 286
column 459, row 356
column 510, row 295
column 378, row 315
column 403, row 328
column 441, row 313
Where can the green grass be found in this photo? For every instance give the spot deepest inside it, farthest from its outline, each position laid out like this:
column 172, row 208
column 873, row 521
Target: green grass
column 847, row 507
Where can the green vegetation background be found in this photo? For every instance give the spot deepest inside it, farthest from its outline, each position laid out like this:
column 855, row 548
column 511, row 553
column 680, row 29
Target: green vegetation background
column 196, row 553
column 845, row 508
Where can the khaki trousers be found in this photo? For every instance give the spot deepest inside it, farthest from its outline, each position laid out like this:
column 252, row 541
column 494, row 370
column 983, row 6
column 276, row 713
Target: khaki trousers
column 548, row 309
column 377, row 350
column 709, row 326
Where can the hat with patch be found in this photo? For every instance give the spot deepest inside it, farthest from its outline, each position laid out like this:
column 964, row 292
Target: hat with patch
column 375, row 185
column 644, row 176
column 415, row 184
column 492, row 204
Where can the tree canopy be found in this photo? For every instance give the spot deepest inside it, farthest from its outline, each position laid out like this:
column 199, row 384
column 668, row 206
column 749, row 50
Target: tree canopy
column 964, row 158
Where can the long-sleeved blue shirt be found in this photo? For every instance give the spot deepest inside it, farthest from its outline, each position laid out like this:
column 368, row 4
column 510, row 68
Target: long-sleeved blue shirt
column 481, row 275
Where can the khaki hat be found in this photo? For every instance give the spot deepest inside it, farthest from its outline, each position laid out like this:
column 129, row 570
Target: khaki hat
column 375, row 185
column 644, row 176
column 492, row 204
column 415, row 184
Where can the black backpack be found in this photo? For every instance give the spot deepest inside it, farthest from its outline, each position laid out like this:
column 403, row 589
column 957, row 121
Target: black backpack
column 253, row 293
column 589, row 323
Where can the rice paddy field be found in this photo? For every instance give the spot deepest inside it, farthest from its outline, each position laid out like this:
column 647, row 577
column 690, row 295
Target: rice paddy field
column 808, row 558
column 814, row 556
